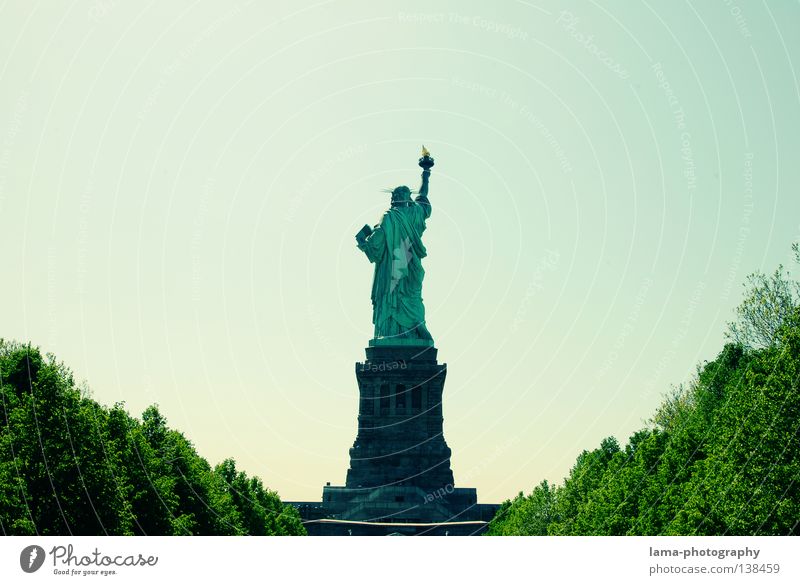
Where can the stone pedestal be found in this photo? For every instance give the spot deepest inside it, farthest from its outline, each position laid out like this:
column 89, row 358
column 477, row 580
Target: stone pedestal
column 399, row 480
column 400, row 440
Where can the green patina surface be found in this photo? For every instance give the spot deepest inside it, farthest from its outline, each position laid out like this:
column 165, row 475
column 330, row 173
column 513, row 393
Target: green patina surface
column 395, row 247
column 394, row 341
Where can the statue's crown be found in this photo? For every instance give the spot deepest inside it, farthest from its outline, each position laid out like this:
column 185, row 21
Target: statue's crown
column 401, row 195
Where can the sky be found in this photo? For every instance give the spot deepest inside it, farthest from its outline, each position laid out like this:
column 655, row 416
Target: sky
column 180, row 185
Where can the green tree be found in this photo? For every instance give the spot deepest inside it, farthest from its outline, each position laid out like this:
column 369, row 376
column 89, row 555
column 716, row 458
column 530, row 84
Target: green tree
column 586, row 475
column 529, row 515
column 768, row 302
column 69, row 465
column 260, row 509
column 719, row 456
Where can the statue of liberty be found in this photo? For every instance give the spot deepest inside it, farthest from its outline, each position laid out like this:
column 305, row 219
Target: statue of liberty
column 395, row 247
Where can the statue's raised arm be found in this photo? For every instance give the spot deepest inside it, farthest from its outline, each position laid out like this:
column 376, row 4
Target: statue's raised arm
column 426, row 162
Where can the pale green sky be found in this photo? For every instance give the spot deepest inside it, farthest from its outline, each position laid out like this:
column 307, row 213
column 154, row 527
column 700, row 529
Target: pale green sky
column 180, row 184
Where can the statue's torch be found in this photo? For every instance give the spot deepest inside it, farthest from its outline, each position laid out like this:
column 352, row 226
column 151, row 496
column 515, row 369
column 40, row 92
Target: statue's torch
column 426, row 161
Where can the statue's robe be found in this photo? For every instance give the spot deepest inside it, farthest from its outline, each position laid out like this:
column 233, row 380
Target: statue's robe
column 395, row 247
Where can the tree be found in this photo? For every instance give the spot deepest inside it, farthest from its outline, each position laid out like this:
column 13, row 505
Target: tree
column 719, row 455
column 69, row 465
column 585, row 476
column 529, row 515
column 768, row 302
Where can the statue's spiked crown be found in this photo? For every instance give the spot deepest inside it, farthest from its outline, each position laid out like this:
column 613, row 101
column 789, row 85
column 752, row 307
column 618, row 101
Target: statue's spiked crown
column 401, row 194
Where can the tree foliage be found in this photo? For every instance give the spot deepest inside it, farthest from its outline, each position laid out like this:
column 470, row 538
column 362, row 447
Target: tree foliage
column 721, row 455
column 71, row 466
column 768, row 302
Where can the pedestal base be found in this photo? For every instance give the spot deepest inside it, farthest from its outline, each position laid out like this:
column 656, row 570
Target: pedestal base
column 399, row 479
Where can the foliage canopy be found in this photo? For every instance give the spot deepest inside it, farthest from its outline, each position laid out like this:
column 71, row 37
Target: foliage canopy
column 69, row 465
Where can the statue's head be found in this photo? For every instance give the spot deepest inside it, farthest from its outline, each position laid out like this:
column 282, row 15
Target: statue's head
column 401, row 196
